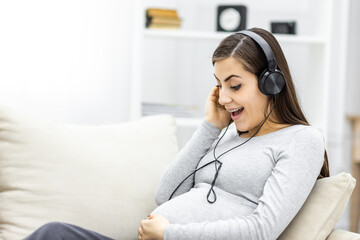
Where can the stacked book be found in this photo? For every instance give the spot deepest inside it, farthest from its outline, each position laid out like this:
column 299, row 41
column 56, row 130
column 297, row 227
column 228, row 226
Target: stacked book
column 162, row 18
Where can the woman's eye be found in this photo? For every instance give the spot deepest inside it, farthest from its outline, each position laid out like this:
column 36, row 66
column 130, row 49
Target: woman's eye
column 236, row 87
column 218, row 86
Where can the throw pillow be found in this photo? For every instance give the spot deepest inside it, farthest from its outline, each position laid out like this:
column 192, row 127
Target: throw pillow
column 102, row 178
column 322, row 209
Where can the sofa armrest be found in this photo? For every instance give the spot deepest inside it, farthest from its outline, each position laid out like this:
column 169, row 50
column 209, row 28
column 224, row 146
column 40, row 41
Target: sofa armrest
column 338, row 234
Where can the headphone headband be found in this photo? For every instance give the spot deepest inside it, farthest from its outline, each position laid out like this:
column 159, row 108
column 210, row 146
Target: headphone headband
column 264, row 46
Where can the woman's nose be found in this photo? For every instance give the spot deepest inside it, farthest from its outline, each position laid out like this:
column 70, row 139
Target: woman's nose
column 224, row 99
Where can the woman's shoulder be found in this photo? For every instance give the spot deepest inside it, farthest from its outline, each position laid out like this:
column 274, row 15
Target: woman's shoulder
column 304, row 133
column 305, row 130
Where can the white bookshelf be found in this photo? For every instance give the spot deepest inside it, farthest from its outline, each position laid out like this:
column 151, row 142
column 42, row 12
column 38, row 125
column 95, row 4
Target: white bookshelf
column 174, row 66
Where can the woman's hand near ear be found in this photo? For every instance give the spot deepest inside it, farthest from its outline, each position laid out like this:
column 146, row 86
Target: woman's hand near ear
column 152, row 228
column 215, row 113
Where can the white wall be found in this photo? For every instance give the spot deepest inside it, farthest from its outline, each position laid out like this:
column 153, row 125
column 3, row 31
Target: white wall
column 353, row 77
column 67, row 59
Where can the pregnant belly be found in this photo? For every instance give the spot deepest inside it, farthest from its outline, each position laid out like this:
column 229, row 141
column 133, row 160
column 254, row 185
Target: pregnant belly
column 194, row 207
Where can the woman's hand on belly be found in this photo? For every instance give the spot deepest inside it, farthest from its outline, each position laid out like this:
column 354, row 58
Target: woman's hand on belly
column 152, row 228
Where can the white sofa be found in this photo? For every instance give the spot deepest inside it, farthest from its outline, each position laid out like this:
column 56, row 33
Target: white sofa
column 104, row 178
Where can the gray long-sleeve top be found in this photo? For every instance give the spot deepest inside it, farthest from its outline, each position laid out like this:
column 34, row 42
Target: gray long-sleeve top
column 260, row 187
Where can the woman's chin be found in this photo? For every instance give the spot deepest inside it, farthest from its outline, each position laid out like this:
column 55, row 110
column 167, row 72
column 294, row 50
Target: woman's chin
column 241, row 127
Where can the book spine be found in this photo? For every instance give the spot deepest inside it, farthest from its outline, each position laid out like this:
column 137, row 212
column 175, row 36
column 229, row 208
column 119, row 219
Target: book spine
column 163, row 26
column 165, row 20
column 161, row 12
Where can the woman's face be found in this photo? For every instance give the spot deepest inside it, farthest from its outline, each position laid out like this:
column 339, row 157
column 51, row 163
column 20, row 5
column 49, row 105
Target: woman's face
column 238, row 90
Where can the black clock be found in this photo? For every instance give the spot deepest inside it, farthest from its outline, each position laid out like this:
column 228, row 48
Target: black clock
column 231, row 18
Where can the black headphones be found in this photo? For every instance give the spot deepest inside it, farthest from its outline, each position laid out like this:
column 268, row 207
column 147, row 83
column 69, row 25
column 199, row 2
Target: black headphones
column 271, row 80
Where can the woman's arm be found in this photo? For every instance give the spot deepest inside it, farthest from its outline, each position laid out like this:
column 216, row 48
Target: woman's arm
column 186, row 162
column 285, row 191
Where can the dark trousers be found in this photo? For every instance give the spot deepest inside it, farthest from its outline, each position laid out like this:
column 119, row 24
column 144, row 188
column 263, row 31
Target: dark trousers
column 64, row 231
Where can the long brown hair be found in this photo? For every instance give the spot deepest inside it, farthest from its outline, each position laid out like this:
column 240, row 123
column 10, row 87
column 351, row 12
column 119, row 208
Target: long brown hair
column 287, row 109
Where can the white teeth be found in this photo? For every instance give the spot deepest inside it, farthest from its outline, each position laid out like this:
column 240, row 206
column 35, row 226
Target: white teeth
column 237, row 109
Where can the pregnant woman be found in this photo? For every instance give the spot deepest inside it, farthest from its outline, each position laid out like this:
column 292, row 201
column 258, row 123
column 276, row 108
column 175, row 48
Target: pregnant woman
column 248, row 183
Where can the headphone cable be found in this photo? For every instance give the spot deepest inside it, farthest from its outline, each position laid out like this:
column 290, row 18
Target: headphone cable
column 216, row 159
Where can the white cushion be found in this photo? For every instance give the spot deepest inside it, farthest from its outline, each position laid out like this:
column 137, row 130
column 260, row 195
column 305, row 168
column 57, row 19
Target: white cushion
column 102, row 178
column 322, row 209
column 339, row 234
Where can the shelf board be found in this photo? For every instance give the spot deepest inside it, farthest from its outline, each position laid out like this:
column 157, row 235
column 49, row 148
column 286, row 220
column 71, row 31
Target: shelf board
column 299, row 39
column 185, row 34
column 207, row 35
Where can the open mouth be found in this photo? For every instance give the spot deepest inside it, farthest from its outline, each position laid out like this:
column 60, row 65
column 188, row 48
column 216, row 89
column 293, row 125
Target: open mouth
column 236, row 112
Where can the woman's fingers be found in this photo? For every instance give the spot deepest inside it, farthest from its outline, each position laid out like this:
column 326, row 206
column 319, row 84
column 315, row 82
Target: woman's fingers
column 214, row 94
column 140, row 233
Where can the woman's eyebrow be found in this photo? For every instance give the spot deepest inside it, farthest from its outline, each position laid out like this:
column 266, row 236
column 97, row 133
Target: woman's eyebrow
column 227, row 79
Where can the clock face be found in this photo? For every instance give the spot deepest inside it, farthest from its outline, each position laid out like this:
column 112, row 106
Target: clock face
column 229, row 19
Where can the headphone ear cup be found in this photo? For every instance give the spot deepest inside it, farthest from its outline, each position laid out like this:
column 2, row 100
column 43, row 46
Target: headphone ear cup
column 271, row 82
column 262, row 80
